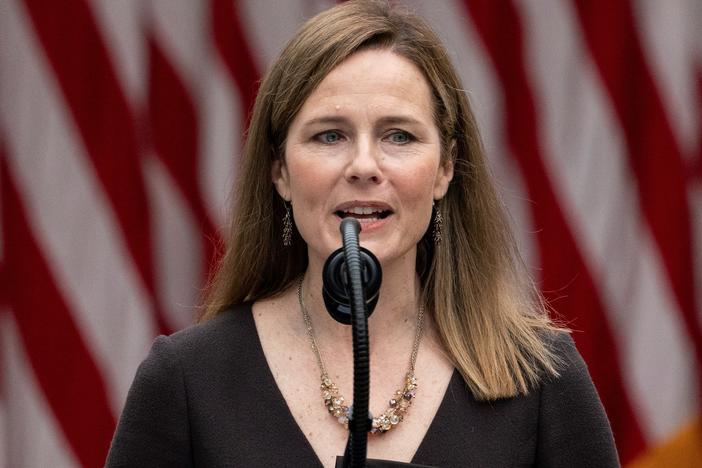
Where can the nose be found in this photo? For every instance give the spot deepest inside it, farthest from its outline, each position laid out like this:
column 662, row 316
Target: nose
column 364, row 164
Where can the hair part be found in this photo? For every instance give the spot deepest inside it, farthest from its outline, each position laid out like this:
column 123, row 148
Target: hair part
column 489, row 315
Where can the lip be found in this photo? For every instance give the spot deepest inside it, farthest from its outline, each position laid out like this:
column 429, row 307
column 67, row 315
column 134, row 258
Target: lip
column 367, row 224
column 365, row 204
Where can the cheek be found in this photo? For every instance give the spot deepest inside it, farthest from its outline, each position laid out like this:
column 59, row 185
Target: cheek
column 418, row 183
column 310, row 189
column 417, row 194
column 416, row 198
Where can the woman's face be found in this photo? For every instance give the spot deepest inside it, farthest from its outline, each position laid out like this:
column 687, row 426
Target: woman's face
column 365, row 145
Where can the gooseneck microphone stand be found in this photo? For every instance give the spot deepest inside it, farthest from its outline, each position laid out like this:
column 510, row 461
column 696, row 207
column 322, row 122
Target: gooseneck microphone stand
column 359, row 422
column 350, row 274
column 351, row 288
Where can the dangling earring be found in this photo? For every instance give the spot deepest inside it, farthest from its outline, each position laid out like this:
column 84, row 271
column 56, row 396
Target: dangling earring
column 287, row 226
column 438, row 224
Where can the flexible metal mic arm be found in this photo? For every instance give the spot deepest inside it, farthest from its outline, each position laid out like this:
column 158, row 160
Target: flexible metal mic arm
column 360, row 422
column 351, row 287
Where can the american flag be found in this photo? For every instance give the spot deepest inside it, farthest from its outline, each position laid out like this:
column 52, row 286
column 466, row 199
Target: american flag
column 121, row 122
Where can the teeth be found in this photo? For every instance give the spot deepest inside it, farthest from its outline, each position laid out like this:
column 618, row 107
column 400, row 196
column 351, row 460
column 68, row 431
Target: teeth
column 360, row 210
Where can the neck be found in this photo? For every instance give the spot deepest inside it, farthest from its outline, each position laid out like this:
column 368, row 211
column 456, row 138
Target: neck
column 396, row 309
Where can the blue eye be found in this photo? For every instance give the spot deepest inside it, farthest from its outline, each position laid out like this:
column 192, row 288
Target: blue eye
column 329, row 137
column 400, row 137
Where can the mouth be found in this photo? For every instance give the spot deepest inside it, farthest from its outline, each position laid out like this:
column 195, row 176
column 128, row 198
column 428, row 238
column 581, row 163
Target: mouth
column 364, row 213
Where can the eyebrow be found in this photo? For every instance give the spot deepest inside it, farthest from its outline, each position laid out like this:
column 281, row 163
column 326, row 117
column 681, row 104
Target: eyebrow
column 388, row 120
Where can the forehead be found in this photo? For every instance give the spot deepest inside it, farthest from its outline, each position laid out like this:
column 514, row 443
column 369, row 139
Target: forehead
column 372, row 78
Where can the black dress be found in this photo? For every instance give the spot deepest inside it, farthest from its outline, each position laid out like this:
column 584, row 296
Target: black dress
column 206, row 397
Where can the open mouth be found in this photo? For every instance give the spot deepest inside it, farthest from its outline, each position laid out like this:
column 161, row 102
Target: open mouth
column 364, row 213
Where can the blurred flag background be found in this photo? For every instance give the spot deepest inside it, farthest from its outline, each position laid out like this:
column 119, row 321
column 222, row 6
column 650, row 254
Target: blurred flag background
column 120, row 127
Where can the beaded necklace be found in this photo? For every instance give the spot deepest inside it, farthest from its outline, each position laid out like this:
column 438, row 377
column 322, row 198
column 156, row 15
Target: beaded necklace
column 335, row 402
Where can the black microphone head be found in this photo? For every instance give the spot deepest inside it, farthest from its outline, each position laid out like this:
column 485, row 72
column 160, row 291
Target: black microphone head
column 335, row 287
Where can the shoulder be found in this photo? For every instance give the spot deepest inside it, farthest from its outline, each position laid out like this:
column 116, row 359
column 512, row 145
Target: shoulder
column 572, row 421
column 229, row 327
column 568, row 361
column 207, row 342
column 572, row 383
column 203, row 348
column 184, row 380
column 572, row 375
column 227, row 332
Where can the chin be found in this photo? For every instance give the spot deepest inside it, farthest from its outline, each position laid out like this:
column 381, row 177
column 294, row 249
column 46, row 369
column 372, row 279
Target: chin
column 388, row 254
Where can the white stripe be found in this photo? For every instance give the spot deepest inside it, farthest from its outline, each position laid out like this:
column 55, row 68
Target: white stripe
column 4, row 422
column 31, row 434
column 672, row 44
column 696, row 188
column 584, row 149
column 269, row 24
column 451, row 22
column 221, row 122
column 695, row 192
column 5, row 426
column 69, row 214
column 120, row 24
column 177, row 247
column 180, row 28
column 669, row 35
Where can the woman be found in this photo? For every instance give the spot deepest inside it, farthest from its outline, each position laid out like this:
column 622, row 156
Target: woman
column 363, row 115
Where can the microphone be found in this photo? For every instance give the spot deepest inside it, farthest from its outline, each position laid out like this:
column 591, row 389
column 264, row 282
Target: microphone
column 351, row 284
column 344, row 291
column 335, row 276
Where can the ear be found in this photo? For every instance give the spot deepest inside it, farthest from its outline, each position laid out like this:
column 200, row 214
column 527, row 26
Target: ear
column 281, row 178
column 445, row 174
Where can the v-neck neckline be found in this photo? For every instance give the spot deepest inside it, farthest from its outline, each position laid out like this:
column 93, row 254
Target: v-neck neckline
column 275, row 394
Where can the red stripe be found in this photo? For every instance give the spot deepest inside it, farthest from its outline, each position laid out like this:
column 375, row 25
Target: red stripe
column 79, row 58
column 60, row 358
column 654, row 154
column 3, row 247
column 234, row 50
column 3, row 279
column 697, row 165
column 175, row 134
column 567, row 283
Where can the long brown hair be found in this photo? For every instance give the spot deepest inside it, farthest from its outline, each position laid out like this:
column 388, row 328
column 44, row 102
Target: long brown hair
column 488, row 314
